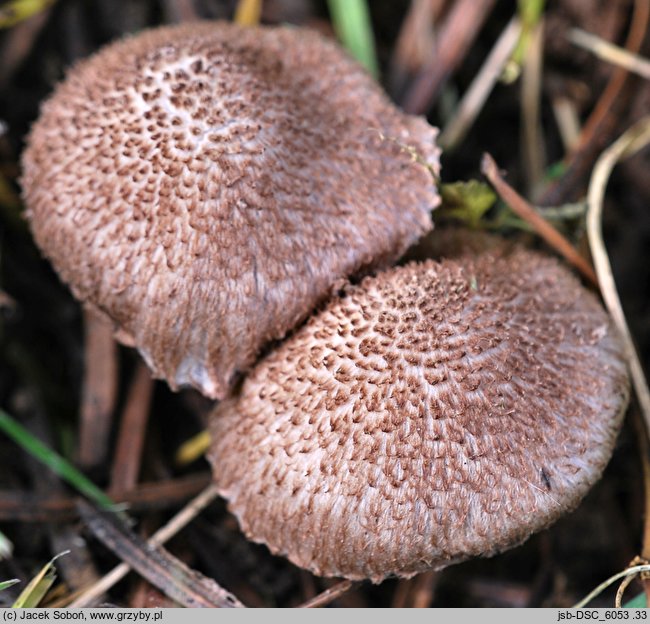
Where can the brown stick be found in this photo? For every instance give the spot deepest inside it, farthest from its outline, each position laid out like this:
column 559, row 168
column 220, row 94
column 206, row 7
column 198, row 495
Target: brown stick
column 162, row 535
column 415, row 42
column 523, row 209
column 328, row 595
column 20, row 506
column 99, row 390
column 633, row 44
column 456, row 36
column 153, row 562
column 133, row 426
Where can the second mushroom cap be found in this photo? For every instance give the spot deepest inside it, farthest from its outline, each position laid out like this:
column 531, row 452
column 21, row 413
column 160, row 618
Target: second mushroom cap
column 435, row 412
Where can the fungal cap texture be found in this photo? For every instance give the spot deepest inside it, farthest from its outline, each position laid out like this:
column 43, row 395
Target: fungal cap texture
column 207, row 185
column 435, row 412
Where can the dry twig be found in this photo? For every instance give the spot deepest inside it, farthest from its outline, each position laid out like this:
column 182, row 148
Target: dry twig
column 184, row 585
column 629, row 143
column 600, row 122
column 329, row 595
column 522, row 208
column 165, row 533
column 474, row 99
column 18, row 506
column 133, row 426
column 455, row 38
column 99, row 390
column 415, row 42
column 611, row 53
column 632, row 141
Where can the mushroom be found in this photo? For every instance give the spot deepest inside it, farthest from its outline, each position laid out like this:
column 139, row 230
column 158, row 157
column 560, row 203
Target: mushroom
column 206, row 186
column 435, row 412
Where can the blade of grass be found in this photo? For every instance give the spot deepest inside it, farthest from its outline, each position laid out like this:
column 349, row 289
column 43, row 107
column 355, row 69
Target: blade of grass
column 605, row 584
column 351, row 20
column 193, row 448
column 32, row 595
column 53, row 461
column 532, row 132
column 634, row 139
column 248, row 12
column 7, row 584
column 18, row 10
column 611, row 53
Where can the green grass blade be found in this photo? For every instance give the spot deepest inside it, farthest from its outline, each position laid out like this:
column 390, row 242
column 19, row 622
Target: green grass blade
column 6, row 584
column 32, row 595
column 351, row 20
column 53, row 461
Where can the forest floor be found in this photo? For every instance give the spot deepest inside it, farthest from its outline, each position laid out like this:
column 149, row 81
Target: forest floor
column 546, row 125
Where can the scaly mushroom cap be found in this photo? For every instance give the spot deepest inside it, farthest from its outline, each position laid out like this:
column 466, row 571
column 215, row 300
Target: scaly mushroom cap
column 436, row 412
column 207, row 185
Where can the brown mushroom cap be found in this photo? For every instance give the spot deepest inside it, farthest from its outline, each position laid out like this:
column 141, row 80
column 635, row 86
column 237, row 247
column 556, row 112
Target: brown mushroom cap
column 435, row 412
column 207, row 185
